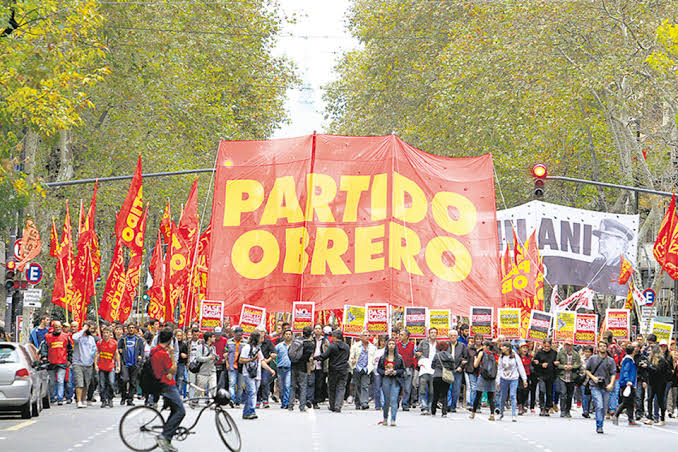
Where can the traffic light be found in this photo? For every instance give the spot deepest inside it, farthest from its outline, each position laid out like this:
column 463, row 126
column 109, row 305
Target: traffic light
column 539, row 177
column 10, row 271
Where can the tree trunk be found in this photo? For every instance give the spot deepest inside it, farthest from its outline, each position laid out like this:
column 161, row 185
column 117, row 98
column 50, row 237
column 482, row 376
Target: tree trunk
column 30, row 151
column 65, row 153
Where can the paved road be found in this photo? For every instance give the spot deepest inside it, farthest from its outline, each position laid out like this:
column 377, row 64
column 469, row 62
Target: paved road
column 94, row 429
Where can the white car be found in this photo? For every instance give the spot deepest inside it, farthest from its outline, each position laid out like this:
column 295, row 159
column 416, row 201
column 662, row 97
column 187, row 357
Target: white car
column 24, row 382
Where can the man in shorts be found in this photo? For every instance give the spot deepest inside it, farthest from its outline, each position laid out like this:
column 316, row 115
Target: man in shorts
column 84, row 351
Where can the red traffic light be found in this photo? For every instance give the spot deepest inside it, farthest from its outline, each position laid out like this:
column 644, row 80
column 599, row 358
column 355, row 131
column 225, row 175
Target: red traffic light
column 11, row 265
column 539, row 171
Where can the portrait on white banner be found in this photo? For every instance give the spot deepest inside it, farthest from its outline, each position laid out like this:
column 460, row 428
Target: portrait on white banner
column 579, row 247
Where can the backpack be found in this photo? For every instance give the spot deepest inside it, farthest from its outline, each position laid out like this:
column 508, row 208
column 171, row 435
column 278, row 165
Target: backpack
column 148, row 381
column 253, row 366
column 296, row 350
column 488, row 368
column 195, row 365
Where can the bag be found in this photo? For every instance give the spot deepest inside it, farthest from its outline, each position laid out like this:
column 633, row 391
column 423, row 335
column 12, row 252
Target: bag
column 488, row 368
column 448, row 375
column 296, row 350
column 195, row 365
column 601, row 383
column 252, row 366
column 148, row 381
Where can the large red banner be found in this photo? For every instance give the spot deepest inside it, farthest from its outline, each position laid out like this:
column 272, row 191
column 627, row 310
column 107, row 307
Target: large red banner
column 351, row 220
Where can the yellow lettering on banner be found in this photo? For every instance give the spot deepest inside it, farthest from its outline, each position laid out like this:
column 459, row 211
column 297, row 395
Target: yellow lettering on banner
column 379, row 197
column 354, row 186
column 240, row 254
column 434, row 258
column 282, row 203
column 324, row 254
column 466, row 221
column 296, row 257
column 235, row 204
column 318, row 202
column 417, row 210
column 366, row 248
column 399, row 252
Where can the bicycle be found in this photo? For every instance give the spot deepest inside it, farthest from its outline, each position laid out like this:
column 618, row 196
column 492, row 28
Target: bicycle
column 140, row 425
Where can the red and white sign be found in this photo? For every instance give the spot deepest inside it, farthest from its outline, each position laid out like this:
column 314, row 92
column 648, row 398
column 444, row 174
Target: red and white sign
column 303, row 313
column 211, row 315
column 251, row 317
column 585, row 328
column 17, row 250
column 618, row 321
column 377, row 315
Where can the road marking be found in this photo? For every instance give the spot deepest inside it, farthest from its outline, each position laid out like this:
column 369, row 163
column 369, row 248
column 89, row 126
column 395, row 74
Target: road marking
column 316, row 443
column 653, row 426
column 3, row 437
column 20, row 425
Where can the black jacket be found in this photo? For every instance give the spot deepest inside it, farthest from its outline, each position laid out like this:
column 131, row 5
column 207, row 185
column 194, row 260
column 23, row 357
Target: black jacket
column 442, row 359
column 307, row 351
column 337, row 353
column 545, row 357
column 399, row 367
column 469, row 368
column 460, row 354
column 267, row 347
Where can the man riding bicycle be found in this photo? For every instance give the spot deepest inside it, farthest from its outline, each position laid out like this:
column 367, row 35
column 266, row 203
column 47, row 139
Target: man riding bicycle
column 164, row 369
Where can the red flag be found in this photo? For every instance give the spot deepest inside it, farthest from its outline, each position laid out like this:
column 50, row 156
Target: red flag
column 54, row 244
column 156, row 307
column 88, row 225
column 188, row 230
column 517, row 250
column 177, row 273
column 115, row 287
column 63, row 283
column 625, row 271
column 666, row 246
column 166, row 224
column 31, row 244
column 506, row 262
column 128, row 221
column 81, row 219
column 133, row 272
column 189, row 223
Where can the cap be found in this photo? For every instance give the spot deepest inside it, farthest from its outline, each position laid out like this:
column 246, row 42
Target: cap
column 568, row 341
column 664, row 342
column 217, row 330
column 609, row 226
column 521, row 343
column 327, row 329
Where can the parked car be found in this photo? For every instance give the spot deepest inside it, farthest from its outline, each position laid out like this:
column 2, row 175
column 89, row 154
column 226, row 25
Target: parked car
column 24, row 381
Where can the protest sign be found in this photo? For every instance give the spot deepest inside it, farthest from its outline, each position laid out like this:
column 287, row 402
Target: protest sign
column 540, row 325
column 303, row 313
column 508, row 320
column 481, row 320
column 354, row 320
column 211, row 315
column 564, row 327
column 251, row 317
column 662, row 330
column 440, row 320
column 415, row 322
column 585, row 328
column 377, row 315
column 619, row 322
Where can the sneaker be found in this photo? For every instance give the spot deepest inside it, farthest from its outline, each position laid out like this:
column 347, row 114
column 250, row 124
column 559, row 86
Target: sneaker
column 661, row 423
column 309, row 404
column 425, row 413
column 514, row 419
column 406, row 408
column 599, row 430
column 633, row 423
column 80, row 405
column 164, row 444
column 266, row 405
column 60, row 402
column 130, row 402
column 104, row 404
column 491, row 418
column 555, row 408
column 453, row 410
column 472, row 415
column 257, row 406
column 393, row 424
column 586, row 415
column 552, row 410
column 615, row 419
column 444, row 415
column 649, row 422
column 315, row 406
column 384, row 423
column 249, row 416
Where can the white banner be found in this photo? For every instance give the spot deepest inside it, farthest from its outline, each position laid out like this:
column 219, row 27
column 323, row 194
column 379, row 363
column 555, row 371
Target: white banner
column 579, row 247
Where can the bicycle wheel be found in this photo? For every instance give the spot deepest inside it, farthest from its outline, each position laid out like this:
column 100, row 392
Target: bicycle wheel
column 228, row 430
column 139, row 427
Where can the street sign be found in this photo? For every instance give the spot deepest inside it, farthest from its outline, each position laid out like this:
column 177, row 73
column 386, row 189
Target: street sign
column 32, row 297
column 650, row 297
column 34, row 273
column 17, row 249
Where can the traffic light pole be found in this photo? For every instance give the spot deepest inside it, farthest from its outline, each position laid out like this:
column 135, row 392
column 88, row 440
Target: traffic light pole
column 605, row 184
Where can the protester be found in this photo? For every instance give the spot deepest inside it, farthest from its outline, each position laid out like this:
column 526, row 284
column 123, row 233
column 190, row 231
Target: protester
column 425, row 353
column 391, row 368
column 380, row 348
column 586, row 385
column 57, row 350
column 406, row 352
column 251, row 361
column 526, row 389
column 132, row 350
column 299, row 371
column 40, row 331
column 471, row 371
column 602, row 372
column 337, row 354
column 207, row 375
column 658, row 372
column 283, row 367
column 362, row 364
column 459, row 353
column 235, row 378
column 510, row 370
column 442, row 359
column 545, row 364
column 267, row 350
column 569, row 363
column 320, row 368
column 627, row 383
column 84, row 352
column 486, row 364
column 182, row 362
column 106, row 365
column 220, row 343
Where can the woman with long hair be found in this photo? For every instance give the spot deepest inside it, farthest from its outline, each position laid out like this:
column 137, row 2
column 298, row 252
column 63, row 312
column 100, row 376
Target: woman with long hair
column 390, row 368
column 378, row 395
column 510, row 369
column 442, row 359
column 658, row 371
column 486, row 364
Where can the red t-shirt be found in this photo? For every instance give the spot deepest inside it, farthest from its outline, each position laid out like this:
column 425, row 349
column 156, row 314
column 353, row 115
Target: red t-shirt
column 107, row 350
column 161, row 363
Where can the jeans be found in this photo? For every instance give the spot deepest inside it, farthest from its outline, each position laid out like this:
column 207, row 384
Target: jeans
column 471, row 380
column 177, row 411
column 440, row 388
column 106, row 384
column 425, row 383
column 250, row 395
column 508, row 388
column 391, row 389
column 221, row 383
column 640, row 399
column 545, row 394
column 405, row 387
column 264, row 387
column 284, row 380
column 298, row 388
column 336, row 388
column 235, row 381
column 614, row 397
column 455, row 389
column 69, row 388
column 567, row 390
column 585, row 400
column 56, row 380
column 361, row 386
column 378, row 395
column 601, row 399
column 180, row 378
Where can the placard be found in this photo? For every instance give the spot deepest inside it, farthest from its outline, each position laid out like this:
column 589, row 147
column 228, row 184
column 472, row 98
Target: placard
column 618, row 321
column 585, row 328
column 540, row 326
column 251, row 317
column 662, row 330
column 303, row 313
column 211, row 315
column 415, row 321
column 440, row 320
column 508, row 320
column 564, row 326
column 377, row 318
column 354, row 320
column 481, row 321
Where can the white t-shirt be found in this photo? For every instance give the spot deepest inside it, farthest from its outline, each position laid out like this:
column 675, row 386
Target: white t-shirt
column 245, row 352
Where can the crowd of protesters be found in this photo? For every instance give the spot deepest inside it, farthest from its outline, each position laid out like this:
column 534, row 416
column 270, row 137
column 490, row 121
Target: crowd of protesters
column 638, row 378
